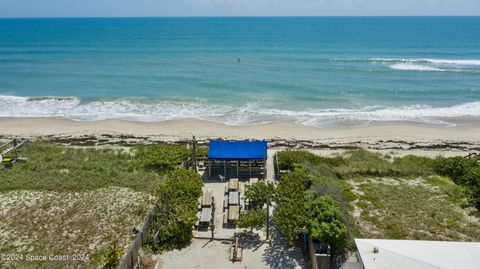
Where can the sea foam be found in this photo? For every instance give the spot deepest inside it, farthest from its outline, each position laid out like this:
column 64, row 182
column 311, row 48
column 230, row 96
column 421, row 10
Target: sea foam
column 471, row 62
column 252, row 113
column 414, row 67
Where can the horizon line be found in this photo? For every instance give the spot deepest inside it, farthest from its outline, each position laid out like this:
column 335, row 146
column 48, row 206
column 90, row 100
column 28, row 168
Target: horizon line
column 240, row 16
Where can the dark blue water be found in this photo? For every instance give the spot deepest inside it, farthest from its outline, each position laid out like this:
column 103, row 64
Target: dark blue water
column 310, row 70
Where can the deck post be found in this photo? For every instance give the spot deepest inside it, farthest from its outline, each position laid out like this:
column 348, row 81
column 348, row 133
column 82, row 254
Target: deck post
column 264, row 169
column 238, row 169
column 225, row 169
column 194, row 157
column 210, row 166
column 250, row 168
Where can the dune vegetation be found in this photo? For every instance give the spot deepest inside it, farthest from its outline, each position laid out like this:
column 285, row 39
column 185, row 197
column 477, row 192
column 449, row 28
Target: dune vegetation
column 79, row 200
column 381, row 196
column 83, row 200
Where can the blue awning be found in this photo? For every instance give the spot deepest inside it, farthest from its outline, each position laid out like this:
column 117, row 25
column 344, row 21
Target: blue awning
column 238, row 150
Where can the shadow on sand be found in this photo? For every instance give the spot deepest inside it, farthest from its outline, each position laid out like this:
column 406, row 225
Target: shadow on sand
column 278, row 255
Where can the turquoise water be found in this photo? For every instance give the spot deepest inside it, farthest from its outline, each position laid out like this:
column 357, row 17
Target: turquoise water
column 314, row 71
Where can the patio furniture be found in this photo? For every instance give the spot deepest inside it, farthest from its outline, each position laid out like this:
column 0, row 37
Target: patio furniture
column 233, row 184
column 206, row 215
column 233, row 198
column 225, row 202
column 207, row 199
column 234, row 212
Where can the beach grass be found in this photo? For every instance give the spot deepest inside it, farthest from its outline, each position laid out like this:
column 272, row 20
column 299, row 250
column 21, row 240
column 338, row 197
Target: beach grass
column 52, row 167
column 422, row 209
column 77, row 224
column 391, row 197
column 75, row 200
column 365, row 163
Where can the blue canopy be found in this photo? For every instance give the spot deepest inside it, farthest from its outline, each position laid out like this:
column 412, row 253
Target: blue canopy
column 238, row 150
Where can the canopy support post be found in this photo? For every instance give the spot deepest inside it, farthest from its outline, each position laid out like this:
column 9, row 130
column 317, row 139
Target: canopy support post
column 264, row 169
column 210, row 166
column 225, row 169
column 250, row 168
column 238, row 169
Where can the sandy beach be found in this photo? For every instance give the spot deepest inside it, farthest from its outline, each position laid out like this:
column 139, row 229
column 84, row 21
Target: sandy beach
column 463, row 137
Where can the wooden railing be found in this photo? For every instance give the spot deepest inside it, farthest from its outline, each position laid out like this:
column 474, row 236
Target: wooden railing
column 132, row 259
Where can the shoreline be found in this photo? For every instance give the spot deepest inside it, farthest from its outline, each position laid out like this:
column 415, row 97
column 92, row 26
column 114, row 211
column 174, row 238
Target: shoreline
column 463, row 137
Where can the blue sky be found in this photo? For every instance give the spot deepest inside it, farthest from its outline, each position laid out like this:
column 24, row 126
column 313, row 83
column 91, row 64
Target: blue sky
column 115, row 8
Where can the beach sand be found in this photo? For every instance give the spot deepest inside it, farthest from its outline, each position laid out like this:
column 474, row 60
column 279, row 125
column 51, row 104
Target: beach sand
column 399, row 136
column 183, row 129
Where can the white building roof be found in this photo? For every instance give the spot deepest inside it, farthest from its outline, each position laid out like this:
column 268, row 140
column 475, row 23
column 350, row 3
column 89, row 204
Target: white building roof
column 393, row 254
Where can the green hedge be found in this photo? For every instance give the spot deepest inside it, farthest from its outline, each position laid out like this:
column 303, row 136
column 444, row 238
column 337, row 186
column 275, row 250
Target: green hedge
column 176, row 210
column 167, row 157
column 299, row 210
column 463, row 171
column 164, row 157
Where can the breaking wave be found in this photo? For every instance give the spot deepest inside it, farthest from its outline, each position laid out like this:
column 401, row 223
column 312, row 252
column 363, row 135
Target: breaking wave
column 438, row 65
column 414, row 67
column 429, row 61
column 73, row 108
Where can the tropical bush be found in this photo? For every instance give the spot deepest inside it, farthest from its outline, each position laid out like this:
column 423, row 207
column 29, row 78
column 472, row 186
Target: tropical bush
column 164, row 157
column 300, row 210
column 463, row 171
column 288, row 214
column 253, row 219
column 324, row 221
column 176, row 210
column 259, row 193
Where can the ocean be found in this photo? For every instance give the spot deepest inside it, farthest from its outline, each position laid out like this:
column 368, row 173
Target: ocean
column 316, row 71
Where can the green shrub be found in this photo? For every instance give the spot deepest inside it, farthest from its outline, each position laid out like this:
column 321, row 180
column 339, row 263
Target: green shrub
column 202, row 151
column 325, row 177
column 253, row 219
column 176, row 210
column 463, row 171
column 112, row 257
column 300, row 210
column 292, row 186
column 289, row 214
column 324, row 221
column 412, row 165
column 164, row 157
column 457, row 168
column 258, row 193
column 181, row 186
